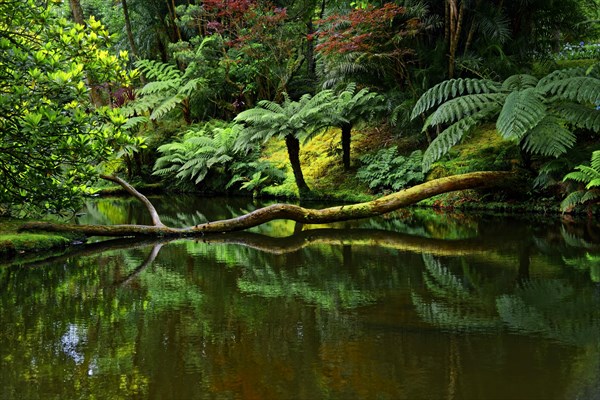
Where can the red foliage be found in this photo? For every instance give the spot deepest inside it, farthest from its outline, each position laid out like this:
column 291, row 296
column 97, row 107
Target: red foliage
column 241, row 20
column 360, row 30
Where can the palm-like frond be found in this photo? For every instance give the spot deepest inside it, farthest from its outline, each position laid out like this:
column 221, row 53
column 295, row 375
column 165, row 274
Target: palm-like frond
column 549, row 138
column 580, row 116
column 461, row 107
column 588, row 176
column 450, row 89
column 582, row 89
column 522, row 110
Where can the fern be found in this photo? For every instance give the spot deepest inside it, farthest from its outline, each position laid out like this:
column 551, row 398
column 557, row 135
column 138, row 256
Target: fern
column 536, row 113
column 519, row 82
column 449, row 89
column 582, row 89
column 461, row 107
column 549, row 138
column 452, row 135
column 581, row 117
column 521, row 112
column 589, row 177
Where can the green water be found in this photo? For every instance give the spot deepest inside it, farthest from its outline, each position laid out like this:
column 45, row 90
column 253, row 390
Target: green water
column 411, row 306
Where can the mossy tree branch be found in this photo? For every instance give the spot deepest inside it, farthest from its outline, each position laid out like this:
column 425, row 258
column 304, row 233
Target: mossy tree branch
column 385, row 204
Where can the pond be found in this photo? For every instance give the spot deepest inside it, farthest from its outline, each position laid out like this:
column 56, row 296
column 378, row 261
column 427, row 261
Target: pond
column 414, row 305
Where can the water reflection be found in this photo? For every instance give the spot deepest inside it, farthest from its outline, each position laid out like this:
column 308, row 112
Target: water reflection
column 411, row 306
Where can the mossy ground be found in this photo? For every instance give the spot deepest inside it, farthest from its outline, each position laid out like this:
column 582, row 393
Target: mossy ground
column 13, row 242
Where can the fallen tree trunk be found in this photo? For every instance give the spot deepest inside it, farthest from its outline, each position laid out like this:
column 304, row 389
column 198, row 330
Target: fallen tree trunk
column 385, row 204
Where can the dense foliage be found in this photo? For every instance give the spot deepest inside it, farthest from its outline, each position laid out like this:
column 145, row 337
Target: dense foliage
column 286, row 72
column 51, row 136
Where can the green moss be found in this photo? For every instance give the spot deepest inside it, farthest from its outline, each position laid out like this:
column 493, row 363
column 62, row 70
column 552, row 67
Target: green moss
column 13, row 242
column 483, row 150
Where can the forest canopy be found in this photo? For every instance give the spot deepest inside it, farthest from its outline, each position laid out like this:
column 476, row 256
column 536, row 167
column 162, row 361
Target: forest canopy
column 294, row 98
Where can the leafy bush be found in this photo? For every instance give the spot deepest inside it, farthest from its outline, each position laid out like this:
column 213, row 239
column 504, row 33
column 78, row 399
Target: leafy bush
column 386, row 170
column 207, row 154
column 589, row 178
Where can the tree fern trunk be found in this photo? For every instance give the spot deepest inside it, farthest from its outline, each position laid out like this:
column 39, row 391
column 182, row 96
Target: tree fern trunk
column 293, row 148
column 346, row 138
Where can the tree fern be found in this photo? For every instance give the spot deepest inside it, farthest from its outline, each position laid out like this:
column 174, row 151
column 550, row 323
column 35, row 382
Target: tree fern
column 169, row 89
column 461, row 107
column 589, row 178
column 522, row 111
column 536, row 113
column 549, row 138
column 452, row 135
column 443, row 91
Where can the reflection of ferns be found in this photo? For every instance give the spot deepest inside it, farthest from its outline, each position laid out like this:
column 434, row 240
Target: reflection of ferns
column 541, row 307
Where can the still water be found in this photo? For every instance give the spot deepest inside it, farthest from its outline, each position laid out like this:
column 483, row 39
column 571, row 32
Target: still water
column 417, row 305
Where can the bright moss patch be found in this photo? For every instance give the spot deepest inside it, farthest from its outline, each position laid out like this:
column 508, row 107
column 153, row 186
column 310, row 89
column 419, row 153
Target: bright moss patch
column 13, row 242
column 483, row 150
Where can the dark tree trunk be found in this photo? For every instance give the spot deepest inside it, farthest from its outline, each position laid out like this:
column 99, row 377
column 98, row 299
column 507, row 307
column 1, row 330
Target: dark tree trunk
column 346, row 138
column 77, row 11
column 293, row 148
column 130, row 38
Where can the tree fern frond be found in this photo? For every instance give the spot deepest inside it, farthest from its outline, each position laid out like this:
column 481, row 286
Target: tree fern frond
column 519, row 82
column 159, row 86
column 549, row 138
column 132, row 122
column 560, row 75
column 590, row 195
column 583, row 89
column 448, row 138
column 589, row 172
column 522, row 111
column 572, row 200
column 595, row 162
column 449, row 89
column 158, row 70
column 459, row 107
column 580, row 116
column 576, row 176
column 168, row 105
column 190, row 86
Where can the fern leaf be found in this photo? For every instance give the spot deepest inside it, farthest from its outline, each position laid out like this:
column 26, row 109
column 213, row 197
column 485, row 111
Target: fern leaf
column 451, row 88
column 168, row 105
column 590, row 195
column 448, row 138
column 549, row 138
column 522, row 111
column 583, row 89
column 456, row 109
column 189, row 87
column 595, row 163
column 572, row 200
column 519, row 82
column 158, row 87
column 590, row 172
column 134, row 121
column 560, row 75
column 580, row 116
column 576, row 176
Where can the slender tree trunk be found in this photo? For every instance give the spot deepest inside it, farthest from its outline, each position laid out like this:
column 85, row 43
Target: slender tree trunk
column 455, row 21
column 293, row 148
column 77, row 11
column 130, row 38
column 346, row 139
